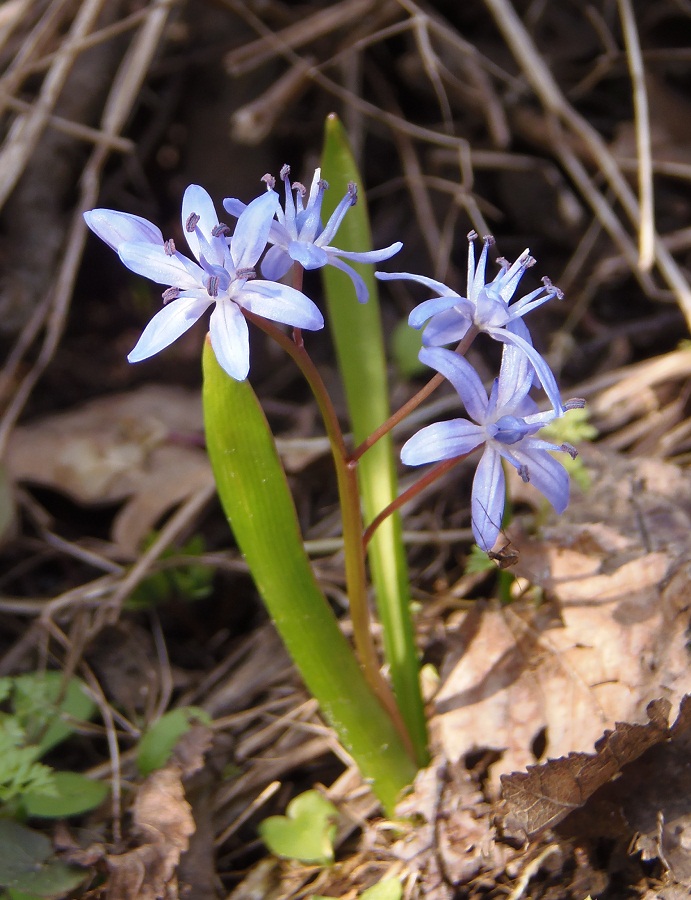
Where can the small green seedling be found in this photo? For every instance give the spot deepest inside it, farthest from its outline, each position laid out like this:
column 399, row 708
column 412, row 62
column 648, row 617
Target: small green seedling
column 307, row 831
column 158, row 743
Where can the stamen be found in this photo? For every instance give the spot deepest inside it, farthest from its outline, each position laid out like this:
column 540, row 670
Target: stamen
column 323, row 185
column 523, row 472
column 212, row 285
column 300, row 188
column 489, row 240
column 285, row 172
column 169, row 247
column 559, row 294
column 528, row 262
column 171, row 293
column 192, row 222
column 352, row 190
column 472, row 236
column 570, row 449
column 575, row 403
column 269, row 180
column 503, row 262
column 246, row 272
column 220, row 229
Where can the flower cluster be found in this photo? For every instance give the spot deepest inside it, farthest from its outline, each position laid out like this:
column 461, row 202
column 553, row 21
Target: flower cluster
column 223, row 274
column 506, row 422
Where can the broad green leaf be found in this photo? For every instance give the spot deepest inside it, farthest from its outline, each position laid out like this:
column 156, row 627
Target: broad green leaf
column 159, row 741
column 257, row 501
column 306, row 832
column 26, row 864
column 74, row 794
column 357, row 333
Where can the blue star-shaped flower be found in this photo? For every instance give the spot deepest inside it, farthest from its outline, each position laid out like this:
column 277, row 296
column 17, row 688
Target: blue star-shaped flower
column 486, row 306
column 223, row 276
column 298, row 236
column 505, row 423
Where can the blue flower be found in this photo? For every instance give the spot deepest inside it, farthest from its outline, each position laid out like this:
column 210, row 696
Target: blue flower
column 505, row 423
column 297, row 234
column 486, row 306
column 223, row 275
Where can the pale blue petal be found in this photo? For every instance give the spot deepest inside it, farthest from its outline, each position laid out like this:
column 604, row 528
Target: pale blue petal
column 198, row 201
column 116, row 228
column 280, row 303
column 361, row 291
column 515, row 378
column 436, row 286
column 230, row 339
column 252, row 230
column 276, row 263
column 447, row 327
column 153, row 262
column 168, row 324
column 234, row 207
column 443, row 440
column 488, row 499
column 436, row 305
column 329, row 231
column 308, row 255
column 542, row 370
column 367, row 256
column 545, row 472
column 462, row 376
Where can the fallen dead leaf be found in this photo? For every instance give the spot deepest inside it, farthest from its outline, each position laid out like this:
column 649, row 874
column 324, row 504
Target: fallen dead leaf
column 137, row 447
column 611, row 636
column 544, row 795
column 162, row 822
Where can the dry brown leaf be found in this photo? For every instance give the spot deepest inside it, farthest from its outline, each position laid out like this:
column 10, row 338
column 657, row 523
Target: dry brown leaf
column 162, row 818
column 137, row 447
column 610, row 639
column 546, row 794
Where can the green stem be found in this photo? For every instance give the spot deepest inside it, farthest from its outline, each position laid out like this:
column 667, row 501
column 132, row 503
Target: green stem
column 349, row 497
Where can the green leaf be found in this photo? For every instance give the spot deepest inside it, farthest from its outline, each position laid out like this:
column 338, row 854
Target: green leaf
column 257, row 501
column 405, row 347
column 73, row 794
column 387, row 889
column 26, row 863
column 307, row 831
column 44, row 713
column 157, row 745
column 357, row 332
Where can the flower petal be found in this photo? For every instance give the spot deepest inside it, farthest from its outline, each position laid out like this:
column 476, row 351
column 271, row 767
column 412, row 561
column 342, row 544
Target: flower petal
column 153, row 262
column 435, row 286
column 545, row 472
column 433, row 307
column 230, row 339
column 280, row 303
column 234, row 207
column 308, row 255
column 443, row 440
column 361, row 291
column 448, row 327
column 252, row 230
column 168, row 324
column 276, row 263
column 116, row 228
column 462, row 376
column 542, row 370
column 198, row 201
column 367, row 256
column 488, row 499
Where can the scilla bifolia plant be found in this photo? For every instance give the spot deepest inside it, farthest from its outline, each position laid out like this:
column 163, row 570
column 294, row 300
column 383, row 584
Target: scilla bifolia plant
column 236, row 272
